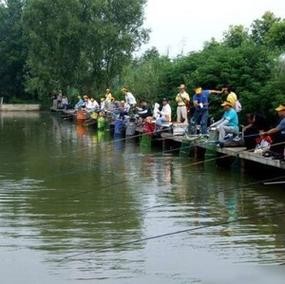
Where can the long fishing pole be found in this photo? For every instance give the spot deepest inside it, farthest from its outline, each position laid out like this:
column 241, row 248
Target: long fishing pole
column 127, row 180
column 168, row 234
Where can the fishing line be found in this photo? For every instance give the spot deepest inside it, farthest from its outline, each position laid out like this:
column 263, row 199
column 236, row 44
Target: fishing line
column 168, row 234
column 117, row 173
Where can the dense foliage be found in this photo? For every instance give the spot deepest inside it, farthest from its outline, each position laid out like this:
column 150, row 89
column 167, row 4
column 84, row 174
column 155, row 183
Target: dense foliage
column 87, row 45
column 68, row 44
column 12, row 50
column 250, row 60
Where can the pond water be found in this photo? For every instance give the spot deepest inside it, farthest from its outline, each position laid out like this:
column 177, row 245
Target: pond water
column 77, row 206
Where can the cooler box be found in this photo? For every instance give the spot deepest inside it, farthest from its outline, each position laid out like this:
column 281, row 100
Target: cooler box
column 179, row 129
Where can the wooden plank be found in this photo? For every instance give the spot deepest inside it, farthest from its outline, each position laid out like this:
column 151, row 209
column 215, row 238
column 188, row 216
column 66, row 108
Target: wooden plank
column 258, row 158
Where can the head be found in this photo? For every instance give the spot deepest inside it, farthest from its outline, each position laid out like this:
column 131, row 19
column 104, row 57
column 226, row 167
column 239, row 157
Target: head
column 250, row 118
column 85, row 98
column 227, row 105
column 182, row 88
column 281, row 110
column 198, row 90
column 92, row 99
column 124, row 90
column 164, row 101
column 227, row 89
column 108, row 91
column 143, row 104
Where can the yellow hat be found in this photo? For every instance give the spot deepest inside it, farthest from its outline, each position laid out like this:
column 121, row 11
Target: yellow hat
column 226, row 103
column 198, row 90
column 280, row 108
column 124, row 89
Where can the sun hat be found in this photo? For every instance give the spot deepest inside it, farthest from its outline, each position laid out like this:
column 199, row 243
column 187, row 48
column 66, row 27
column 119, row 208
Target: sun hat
column 280, row 108
column 182, row 87
column 226, row 103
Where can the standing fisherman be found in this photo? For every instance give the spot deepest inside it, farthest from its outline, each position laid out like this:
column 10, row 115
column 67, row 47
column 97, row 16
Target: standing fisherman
column 182, row 100
column 201, row 113
column 129, row 97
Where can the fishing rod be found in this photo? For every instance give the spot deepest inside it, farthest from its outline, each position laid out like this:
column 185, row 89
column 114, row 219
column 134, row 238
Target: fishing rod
column 169, row 234
column 82, row 169
column 191, row 164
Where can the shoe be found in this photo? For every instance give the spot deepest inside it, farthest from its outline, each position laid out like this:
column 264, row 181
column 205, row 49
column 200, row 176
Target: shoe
column 220, row 144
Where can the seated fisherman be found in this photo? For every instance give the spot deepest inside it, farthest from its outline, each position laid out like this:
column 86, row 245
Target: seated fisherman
column 278, row 132
column 165, row 113
column 228, row 123
column 144, row 110
column 80, row 103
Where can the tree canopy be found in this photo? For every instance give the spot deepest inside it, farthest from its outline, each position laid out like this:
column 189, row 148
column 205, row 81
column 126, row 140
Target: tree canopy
column 88, row 45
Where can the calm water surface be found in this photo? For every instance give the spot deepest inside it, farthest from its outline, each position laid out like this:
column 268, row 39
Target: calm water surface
column 78, row 207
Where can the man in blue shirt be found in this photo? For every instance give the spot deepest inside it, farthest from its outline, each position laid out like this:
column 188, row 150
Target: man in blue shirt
column 229, row 122
column 278, row 132
column 201, row 113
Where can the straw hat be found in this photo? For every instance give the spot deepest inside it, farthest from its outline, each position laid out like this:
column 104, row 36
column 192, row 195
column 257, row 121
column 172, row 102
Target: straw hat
column 124, row 89
column 226, row 103
column 182, row 87
column 280, row 108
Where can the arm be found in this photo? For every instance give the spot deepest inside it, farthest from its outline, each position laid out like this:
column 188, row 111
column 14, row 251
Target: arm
column 216, row 92
column 217, row 123
column 178, row 98
column 271, row 131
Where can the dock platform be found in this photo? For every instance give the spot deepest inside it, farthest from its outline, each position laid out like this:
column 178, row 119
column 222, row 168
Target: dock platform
column 238, row 152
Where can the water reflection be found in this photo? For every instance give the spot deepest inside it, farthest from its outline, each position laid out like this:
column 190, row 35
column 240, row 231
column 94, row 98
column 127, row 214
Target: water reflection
column 77, row 203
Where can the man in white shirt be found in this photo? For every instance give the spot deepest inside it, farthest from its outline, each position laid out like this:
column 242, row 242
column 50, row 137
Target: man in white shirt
column 129, row 97
column 165, row 113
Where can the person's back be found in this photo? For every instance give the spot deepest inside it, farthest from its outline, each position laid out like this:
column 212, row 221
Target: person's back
column 166, row 112
column 232, row 117
column 130, row 99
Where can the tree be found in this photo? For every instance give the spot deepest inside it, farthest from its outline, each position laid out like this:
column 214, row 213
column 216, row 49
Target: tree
column 12, row 49
column 260, row 27
column 276, row 35
column 80, row 43
column 235, row 36
column 144, row 75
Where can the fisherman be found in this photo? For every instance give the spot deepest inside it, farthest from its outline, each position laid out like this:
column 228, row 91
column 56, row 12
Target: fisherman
column 79, row 104
column 64, row 102
column 108, row 96
column 165, row 113
column 92, row 105
column 102, row 104
column 232, row 98
column 278, row 132
column 183, row 100
column 129, row 97
column 59, row 99
column 228, row 123
column 144, row 110
column 201, row 113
